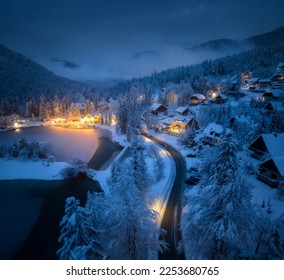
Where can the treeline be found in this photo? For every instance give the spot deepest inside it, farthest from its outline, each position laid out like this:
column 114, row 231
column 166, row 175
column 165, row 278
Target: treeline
column 26, row 150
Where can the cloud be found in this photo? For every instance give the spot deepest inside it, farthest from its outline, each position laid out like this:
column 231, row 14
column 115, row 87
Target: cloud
column 65, row 63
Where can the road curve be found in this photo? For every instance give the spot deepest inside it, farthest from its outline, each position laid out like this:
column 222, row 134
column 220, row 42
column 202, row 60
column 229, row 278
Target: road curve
column 172, row 214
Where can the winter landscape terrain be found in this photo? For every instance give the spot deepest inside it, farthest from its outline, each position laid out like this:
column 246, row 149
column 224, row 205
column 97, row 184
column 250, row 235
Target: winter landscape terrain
column 182, row 163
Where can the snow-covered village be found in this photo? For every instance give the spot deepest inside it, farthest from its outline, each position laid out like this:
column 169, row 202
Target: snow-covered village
column 185, row 162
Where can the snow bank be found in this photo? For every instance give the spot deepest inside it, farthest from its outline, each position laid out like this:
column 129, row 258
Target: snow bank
column 15, row 169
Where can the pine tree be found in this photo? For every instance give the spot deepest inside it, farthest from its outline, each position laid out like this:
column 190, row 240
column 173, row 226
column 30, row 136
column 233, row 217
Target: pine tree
column 42, row 108
column 124, row 212
column 219, row 219
column 78, row 236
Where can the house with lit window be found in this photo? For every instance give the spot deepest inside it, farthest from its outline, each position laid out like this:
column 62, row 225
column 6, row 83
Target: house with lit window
column 212, row 134
column 197, row 98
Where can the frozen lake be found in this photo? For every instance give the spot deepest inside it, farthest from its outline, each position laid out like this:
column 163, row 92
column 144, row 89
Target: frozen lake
column 66, row 143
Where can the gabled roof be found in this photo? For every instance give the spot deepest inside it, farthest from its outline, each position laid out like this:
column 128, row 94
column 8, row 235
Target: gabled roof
column 278, row 162
column 273, row 143
column 221, row 95
column 156, row 106
column 264, row 81
column 252, row 80
column 198, row 96
column 181, row 109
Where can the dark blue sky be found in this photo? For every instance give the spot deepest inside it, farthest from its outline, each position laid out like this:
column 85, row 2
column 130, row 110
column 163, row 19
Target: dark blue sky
column 100, row 38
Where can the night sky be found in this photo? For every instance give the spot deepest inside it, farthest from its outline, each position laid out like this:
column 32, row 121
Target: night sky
column 92, row 39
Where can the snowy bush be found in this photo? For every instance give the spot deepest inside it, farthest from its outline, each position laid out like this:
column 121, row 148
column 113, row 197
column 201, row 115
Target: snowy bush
column 77, row 169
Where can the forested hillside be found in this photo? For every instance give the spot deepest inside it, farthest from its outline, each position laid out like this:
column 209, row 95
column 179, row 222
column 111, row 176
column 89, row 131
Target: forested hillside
column 21, row 79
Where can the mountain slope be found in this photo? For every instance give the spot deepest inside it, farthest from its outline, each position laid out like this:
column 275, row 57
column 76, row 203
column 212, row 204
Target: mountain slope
column 270, row 39
column 22, row 79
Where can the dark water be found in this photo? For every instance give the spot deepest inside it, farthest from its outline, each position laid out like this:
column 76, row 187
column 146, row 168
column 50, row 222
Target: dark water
column 41, row 240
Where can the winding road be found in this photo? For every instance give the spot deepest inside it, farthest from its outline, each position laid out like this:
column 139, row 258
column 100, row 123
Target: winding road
column 172, row 214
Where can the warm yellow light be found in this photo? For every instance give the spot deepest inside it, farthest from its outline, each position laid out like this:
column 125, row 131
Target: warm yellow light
column 16, row 125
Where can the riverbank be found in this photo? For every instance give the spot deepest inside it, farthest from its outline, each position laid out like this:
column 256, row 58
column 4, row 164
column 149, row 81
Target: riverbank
column 20, row 169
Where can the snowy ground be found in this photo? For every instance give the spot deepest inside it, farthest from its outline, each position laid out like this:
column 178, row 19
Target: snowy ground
column 14, row 169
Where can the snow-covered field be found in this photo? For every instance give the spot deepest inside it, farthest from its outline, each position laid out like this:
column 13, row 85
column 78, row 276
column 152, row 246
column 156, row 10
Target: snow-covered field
column 14, row 169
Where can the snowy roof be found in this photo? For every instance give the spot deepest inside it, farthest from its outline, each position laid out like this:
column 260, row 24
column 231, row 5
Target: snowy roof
column 184, row 122
column 279, row 163
column 168, row 121
column 280, row 65
column 252, row 80
column 265, row 81
column 198, row 96
column 274, row 143
column 223, row 96
column 181, row 109
column 213, row 128
column 155, row 106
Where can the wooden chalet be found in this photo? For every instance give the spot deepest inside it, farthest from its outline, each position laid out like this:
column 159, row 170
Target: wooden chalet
column 178, row 125
column 277, row 78
column 246, row 75
column 158, row 108
column 272, row 144
column 220, row 98
column 183, row 111
column 269, row 95
column 212, row 134
column 264, row 83
column 197, row 98
column 271, row 171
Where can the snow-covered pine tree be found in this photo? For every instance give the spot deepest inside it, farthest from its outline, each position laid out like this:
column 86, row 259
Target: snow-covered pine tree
column 78, row 236
column 219, row 219
column 42, row 113
column 138, row 167
column 129, row 227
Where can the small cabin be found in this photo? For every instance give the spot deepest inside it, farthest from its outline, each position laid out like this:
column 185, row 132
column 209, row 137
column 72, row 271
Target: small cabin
column 212, row 134
column 197, row 98
column 271, row 171
column 246, row 75
column 272, row 144
column 221, row 98
column 269, row 95
column 277, row 78
column 183, row 111
column 158, row 108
